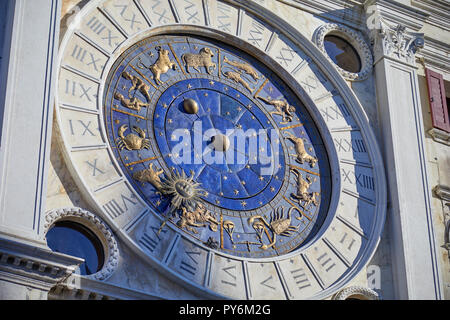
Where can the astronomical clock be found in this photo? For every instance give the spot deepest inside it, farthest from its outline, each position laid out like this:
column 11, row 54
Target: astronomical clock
column 222, row 148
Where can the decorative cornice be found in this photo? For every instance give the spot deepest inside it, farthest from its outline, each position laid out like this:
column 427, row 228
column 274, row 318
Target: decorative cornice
column 443, row 192
column 34, row 266
column 355, row 39
column 440, row 136
column 395, row 42
column 360, row 293
column 96, row 225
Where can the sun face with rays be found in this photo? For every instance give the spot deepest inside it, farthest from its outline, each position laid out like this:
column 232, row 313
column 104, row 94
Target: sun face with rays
column 183, row 191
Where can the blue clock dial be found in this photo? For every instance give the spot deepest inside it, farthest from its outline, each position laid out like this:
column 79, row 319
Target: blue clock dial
column 218, row 145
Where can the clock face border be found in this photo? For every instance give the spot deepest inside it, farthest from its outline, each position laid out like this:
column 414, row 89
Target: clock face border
column 337, row 89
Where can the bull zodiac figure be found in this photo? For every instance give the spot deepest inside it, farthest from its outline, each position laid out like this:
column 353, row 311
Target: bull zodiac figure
column 202, row 59
column 301, row 154
column 282, row 108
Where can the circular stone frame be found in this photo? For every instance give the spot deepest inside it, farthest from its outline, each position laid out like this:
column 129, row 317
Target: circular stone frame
column 360, row 293
column 355, row 39
column 98, row 227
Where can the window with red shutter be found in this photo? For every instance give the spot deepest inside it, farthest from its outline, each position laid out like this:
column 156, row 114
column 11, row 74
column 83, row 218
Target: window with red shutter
column 438, row 100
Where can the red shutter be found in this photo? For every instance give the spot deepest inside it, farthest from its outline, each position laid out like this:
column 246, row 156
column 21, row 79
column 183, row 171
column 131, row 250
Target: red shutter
column 438, row 100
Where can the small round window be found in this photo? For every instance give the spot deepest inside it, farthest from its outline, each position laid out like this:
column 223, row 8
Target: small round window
column 77, row 240
column 342, row 53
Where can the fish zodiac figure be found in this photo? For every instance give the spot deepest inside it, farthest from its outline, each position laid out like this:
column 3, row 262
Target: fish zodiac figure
column 236, row 77
column 244, row 67
column 202, row 59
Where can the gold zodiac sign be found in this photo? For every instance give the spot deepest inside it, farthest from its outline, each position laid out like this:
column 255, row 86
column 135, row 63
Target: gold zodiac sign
column 282, row 108
column 151, row 176
column 137, row 84
column 302, row 194
column 278, row 225
column 202, row 59
column 199, row 218
column 229, row 228
column 301, row 154
column 161, row 66
column 236, row 77
column 243, row 66
column 133, row 103
column 132, row 141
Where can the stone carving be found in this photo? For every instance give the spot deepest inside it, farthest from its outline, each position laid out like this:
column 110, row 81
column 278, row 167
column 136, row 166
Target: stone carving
column 133, row 103
column 282, row 108
column 199, row 218
column 248, row 69
column 355, row 39
column 95, row 224
column 151, row 176
column 132, row 141
column 302, row 194
column 203, row 59
column 162, row 65
column 356, row 292
column 278, row 225
column 301, row 154
column 229, row 228
column 137, row 84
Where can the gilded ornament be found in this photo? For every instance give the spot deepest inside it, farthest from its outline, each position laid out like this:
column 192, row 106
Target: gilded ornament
column 282, row 108
column 301, row 154
column 133, row 103
column 190, row 106
column 137, row 84
column 236, row 77
column 202, row 59
column 248, row 69
column 303, row 195
column 162, row 65
column 199, row 218
column 151, row 176
column 132, row 141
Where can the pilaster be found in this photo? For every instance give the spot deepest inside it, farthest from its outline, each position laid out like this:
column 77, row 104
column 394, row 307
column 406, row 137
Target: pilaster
column 415, row 265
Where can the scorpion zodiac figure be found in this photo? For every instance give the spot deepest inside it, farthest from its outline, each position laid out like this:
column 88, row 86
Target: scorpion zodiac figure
column 278, row 225
column 302, row 194
column 282, row 108
column 132, row 141
column 301, row 154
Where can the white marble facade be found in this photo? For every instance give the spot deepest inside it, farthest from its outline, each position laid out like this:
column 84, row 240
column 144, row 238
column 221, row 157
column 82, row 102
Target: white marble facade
column 410, row 260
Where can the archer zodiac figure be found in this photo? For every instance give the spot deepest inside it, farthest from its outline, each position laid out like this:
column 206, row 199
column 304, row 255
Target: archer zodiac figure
column 303, row 194
column 282, row 108
column 301, row 154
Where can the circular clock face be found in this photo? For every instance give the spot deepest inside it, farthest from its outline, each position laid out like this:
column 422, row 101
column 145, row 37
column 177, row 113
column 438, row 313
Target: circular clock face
column 217, row 145
column 225, row 152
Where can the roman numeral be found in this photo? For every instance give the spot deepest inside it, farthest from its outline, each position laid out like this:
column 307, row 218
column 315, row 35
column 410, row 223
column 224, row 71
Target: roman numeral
column 326, row 262
column 151, row 241
column 80, row 54
column 356, row 145
column 190, row 266
column 224, row 15
column 95, row 25
column 94, row 168
column 232, row 275
column 287, row 57
column 265, row 283
column 360, row 179
column 192, row 15
column 256, row 32
column 114, row 209
column 72, row 88
column 85, row 127
column 300, row 278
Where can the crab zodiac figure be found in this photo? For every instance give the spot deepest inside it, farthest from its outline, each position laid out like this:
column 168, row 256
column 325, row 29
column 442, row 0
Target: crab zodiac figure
column 303, row 197
column 132, row 141
column 301, row 154
column 282, row 108
column 278, row 225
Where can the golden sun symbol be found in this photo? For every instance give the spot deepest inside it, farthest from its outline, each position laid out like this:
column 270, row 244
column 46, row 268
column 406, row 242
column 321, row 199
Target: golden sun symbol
column 183, row 190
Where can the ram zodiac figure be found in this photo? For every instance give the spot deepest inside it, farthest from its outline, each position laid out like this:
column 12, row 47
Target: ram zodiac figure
column 197, row 60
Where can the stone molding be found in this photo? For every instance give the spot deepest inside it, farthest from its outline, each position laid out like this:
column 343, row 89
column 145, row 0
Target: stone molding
column 440, row 136
column 34, row 266
column 96, row 225
column 355, row 39
column 362, row 293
